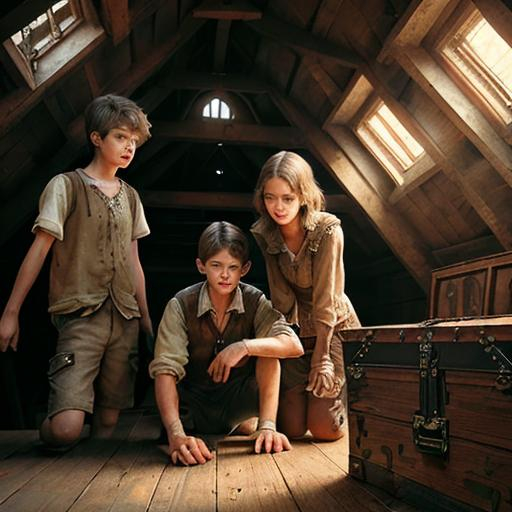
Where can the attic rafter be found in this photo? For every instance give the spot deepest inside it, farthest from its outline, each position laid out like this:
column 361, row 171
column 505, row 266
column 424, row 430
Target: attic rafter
column 304, row 42
column 135, row 76
column 458, row 108
column 228, row 131
column 453, row 161
column 397, row 232
column 232, row 10
column 116, row 19
column 224, row 200
column 412, row 26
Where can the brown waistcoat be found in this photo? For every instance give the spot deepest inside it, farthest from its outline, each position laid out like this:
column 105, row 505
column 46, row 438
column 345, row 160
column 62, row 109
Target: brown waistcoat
column 94, row 259
column 202, row 335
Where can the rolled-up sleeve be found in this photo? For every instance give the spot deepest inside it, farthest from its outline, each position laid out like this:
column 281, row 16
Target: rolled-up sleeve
column 329, row 278
column 54, row 206
column 268, row 322
column 171, row 352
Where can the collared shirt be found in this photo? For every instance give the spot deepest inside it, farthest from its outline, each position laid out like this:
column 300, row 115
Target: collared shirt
column 171, row 353
column 308, row 288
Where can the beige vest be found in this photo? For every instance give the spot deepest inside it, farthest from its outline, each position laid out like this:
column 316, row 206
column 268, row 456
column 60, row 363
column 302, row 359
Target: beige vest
column 94, row 259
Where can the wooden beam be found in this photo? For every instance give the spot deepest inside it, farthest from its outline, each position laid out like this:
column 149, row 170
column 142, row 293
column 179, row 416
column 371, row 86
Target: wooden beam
column 396, row 231
column 116, row 19
column 337, row 203
column 140, row 72
column 458, row 108
column 135, row 76
column 233, row 10
column 455, row 161
column 412, row 27
column 323, row 79
column 228, row 131
column 213, row 81
column 304, row 42
column 476, row 248
column 221, row 45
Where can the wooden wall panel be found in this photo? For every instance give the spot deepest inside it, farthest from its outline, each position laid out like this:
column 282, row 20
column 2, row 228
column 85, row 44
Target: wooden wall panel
column 305, row 90
column 275, row 62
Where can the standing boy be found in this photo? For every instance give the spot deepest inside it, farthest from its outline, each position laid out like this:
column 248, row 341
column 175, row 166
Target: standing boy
column 221, row 340
column 91, row 220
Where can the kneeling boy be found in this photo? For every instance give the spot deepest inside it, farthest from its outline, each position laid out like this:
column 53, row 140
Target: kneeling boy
column 229, row 338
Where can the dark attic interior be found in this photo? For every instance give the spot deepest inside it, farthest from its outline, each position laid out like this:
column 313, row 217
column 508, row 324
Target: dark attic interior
column 406, row 138
column 402, row 108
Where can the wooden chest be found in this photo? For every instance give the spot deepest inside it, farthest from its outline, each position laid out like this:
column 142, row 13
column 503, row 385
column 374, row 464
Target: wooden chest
column 430, row 411
column 479, row 287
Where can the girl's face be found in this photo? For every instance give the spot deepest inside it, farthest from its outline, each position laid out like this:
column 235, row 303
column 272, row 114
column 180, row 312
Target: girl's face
column 281, row 202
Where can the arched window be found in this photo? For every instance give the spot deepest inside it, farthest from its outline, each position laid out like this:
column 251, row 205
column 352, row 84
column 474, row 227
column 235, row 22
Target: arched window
column 217, row 109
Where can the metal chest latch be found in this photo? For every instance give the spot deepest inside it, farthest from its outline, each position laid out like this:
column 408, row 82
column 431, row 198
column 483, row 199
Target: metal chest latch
column 430, row 427
column 504, row 378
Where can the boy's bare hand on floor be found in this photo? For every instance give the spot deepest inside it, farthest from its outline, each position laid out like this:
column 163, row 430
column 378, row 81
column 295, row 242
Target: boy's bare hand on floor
column 228, row 358
column 270, row 441
column 188, row 450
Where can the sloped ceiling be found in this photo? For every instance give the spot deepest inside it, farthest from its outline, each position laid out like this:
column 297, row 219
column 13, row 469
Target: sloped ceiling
column 286, row 69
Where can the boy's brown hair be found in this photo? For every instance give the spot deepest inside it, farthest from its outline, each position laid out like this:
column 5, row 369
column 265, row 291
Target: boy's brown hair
column 223, row 235
column 107, row 112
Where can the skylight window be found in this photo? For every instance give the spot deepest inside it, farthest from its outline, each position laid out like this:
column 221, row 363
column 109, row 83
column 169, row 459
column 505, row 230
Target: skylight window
column 484, row 59
column 388, row 140
column 45, row 31
column 217, row 109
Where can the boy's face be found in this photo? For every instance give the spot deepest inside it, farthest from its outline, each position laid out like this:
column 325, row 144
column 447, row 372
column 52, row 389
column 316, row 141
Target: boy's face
column 223, row 272
column 118, row 146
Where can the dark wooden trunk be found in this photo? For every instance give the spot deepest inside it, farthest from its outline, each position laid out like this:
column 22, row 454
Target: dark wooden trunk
column 430, row 410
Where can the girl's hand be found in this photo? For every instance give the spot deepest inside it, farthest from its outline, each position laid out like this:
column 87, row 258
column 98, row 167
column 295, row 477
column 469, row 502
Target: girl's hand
column 226, row 359
column 322, row 380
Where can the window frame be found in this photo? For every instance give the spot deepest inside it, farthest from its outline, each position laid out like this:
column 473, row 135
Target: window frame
column 222, row 102
column 397, row 172
column 79, row 37
column 453, row 25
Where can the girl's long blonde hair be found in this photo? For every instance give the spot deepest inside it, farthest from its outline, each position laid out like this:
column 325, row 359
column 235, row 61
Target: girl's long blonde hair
column 292, row 168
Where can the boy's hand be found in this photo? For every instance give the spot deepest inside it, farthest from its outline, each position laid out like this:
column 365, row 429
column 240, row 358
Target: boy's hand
column 228, row 358
column 188, row 450
column 9, row 331
column 271, row 441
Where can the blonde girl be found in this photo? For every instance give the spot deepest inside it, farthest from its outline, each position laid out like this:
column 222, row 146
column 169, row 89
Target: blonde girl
column 303, row 250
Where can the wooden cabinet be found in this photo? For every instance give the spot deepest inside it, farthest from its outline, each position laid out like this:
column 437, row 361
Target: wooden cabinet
column 480, row 287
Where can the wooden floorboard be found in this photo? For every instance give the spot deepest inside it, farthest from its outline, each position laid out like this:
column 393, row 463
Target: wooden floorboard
column 13, row 440
column 131, row 473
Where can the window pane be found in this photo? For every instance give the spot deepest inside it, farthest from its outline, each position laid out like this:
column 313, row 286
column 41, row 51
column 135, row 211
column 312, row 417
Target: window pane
column 215, row 108
column 224, row 111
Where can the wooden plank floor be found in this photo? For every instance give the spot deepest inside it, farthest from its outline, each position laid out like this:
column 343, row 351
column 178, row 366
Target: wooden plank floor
column 130, row 473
